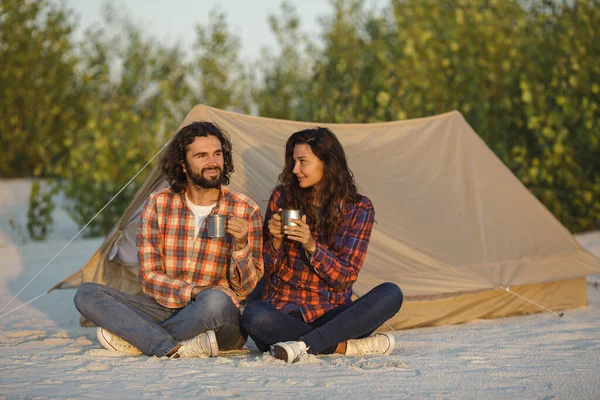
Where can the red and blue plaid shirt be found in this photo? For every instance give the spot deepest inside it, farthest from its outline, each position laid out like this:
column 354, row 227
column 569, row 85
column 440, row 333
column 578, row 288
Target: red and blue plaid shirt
column 315, row 286
column 172, row 261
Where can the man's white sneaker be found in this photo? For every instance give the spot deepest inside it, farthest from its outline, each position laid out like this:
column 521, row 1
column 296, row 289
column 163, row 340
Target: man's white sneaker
column 203, row 345
column 379, row 343
column 289, row 351
column 115, row 343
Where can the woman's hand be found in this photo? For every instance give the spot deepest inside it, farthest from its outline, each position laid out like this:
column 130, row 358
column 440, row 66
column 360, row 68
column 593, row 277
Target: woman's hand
column 275, row 229
column 301, row 233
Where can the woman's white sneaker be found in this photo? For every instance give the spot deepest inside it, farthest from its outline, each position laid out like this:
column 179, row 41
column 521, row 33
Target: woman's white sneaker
column 289, row 351
column 379, row 343
column 114, row 343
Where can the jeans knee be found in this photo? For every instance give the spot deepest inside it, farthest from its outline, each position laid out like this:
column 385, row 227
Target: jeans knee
column 254, row 315
column 393, row 293
column 216, row 304
column 83, row 296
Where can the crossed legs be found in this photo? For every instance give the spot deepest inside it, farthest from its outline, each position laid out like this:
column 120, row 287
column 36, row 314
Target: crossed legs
column 155, row 329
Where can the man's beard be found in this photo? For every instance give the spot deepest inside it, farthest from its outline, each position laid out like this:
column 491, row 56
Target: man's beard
column 206, row 183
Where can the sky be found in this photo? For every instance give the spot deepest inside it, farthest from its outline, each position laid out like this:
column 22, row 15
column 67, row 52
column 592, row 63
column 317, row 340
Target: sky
column 174, row 20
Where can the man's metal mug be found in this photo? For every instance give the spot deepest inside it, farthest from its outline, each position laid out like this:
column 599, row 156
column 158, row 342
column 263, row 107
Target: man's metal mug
column 287, row 215
column 216, row 226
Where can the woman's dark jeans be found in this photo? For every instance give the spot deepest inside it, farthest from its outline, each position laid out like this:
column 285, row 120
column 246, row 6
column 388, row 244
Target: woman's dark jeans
column 266, row 325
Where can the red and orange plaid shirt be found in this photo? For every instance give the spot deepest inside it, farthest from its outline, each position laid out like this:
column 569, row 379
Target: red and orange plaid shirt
column 173, row 260
column 316, row 285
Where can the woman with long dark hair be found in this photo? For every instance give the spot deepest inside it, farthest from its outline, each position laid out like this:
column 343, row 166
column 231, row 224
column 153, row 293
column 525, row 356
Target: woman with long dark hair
column 311, row 264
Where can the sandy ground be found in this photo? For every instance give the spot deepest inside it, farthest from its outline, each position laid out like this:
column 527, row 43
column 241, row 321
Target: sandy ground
column 46, row 354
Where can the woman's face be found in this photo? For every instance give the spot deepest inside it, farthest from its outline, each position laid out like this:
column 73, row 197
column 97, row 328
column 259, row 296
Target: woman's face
column 308, row 168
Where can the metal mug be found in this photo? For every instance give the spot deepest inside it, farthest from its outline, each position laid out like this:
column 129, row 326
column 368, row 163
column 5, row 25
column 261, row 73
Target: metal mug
column 216, row 226
column 287, row 215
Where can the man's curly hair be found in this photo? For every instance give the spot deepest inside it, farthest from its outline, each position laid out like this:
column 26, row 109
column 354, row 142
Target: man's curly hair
column 174, row 159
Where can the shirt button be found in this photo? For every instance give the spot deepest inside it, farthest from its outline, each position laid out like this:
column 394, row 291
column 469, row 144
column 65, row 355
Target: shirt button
column 189, row 261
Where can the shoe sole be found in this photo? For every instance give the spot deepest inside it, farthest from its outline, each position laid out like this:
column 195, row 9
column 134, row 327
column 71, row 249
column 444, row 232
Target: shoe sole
column 214, row 346
column 283, row 352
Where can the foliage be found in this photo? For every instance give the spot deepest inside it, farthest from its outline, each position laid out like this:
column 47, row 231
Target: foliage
column 41, row 207
column 524, row 75
column 40, row 99
column 285, row 76
column 136, row 92
column 560, row 99
column 219, row 73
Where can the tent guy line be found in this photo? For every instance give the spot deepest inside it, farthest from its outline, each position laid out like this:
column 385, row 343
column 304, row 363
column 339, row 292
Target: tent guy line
column 558, row 314
column 24, row 304
column 77, row 234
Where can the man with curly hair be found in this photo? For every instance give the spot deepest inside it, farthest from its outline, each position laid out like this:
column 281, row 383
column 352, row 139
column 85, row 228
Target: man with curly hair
column 193, row 283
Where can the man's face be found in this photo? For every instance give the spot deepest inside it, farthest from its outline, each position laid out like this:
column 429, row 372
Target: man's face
column 204, row 162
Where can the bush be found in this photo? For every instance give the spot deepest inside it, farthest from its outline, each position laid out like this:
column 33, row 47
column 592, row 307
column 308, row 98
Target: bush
column 525, row 76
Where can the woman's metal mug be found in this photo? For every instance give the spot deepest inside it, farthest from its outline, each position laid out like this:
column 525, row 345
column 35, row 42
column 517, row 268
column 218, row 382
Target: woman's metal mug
column 216, row 226
column 287, row 215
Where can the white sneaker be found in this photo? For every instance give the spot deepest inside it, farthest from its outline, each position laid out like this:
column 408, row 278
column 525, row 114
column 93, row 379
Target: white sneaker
column 203, row 345
column 115, row 343
column 289, row 351
column 379, row 343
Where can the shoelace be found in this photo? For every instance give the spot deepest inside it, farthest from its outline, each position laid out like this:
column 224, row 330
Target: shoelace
column 301, row 353
column 370, row 346
column 198, row 345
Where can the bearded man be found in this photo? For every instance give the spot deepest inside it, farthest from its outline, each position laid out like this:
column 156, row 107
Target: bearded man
column 193, row 284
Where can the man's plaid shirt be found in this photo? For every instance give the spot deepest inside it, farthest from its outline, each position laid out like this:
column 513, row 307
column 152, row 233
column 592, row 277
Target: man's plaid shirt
column 315, row 286
column 172, row 262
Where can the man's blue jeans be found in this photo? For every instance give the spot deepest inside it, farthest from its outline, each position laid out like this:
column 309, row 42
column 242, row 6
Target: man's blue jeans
column 266, row 325
column 155, row 329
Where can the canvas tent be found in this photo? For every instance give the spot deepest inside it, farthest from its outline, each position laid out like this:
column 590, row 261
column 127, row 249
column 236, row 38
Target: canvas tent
column 454, row 227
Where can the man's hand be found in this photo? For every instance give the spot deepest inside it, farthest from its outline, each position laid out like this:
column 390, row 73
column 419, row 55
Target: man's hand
column 301, row 233
column 238, row 228
column 275, row 229
column 197, row 289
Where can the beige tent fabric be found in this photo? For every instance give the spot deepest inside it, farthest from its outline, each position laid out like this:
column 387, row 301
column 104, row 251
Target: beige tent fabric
column 488, row 304
column 452, row 219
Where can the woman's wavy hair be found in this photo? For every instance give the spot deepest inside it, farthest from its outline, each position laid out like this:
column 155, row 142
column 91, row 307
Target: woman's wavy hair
column 336, row 190
column 173, row 160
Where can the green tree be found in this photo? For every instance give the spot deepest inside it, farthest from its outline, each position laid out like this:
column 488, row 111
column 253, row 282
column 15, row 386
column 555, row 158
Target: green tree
column 41, row 97
column 136, row 95
column 351, row 75
column 218, row 73
column 523, row 74
column 285, row 76
column 560, row 101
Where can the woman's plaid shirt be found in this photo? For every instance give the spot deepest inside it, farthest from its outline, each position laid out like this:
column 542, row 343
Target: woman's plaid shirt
column 172, row 262
column 315, row 286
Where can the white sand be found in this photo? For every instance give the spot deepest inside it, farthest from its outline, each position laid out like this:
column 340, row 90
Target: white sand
column 46, row 354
